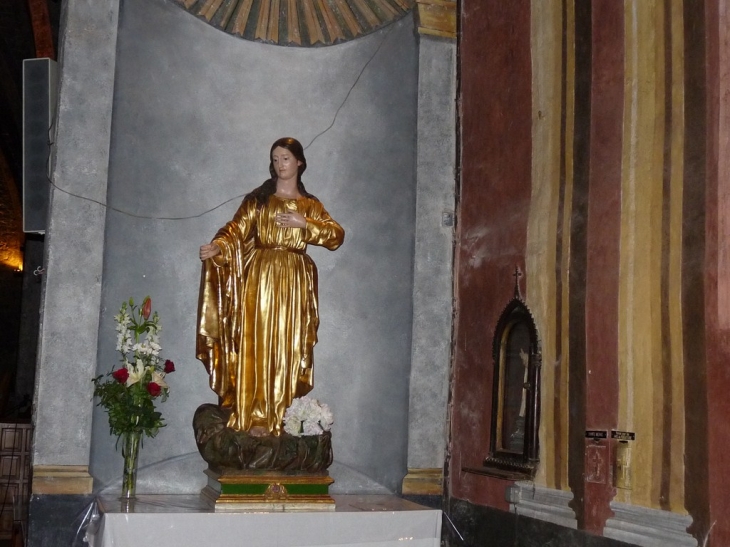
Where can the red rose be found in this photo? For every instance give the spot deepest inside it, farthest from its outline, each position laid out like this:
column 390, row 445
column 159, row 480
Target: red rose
column 169, row 367
column 121, row 375
column 154, row 389
column 146, row 308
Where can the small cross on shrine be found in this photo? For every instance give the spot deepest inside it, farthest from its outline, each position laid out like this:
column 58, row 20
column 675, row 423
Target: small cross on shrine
column 517, row 275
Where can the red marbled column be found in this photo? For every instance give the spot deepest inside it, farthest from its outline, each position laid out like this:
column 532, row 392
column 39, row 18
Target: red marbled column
column 696, row 234
column 603, row 233
column 717, row 271
column 496, row 147
column 42, row 33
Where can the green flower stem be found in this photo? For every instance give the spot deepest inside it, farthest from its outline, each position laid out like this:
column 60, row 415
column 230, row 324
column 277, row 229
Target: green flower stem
column 130, row 453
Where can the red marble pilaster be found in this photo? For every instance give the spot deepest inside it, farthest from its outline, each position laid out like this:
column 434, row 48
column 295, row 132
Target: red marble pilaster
column 717, row 272
column 697, row 231
column 42, row 34
column 495, row 185
column 602, row 272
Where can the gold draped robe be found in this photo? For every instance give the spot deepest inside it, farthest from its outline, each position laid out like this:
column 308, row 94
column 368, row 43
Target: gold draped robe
column 258, row 313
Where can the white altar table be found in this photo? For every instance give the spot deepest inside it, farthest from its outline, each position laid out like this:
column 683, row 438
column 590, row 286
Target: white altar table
column 181, row 521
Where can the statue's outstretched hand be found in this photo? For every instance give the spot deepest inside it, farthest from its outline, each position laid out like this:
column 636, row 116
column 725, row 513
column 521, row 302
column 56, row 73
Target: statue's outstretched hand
column 209, row 251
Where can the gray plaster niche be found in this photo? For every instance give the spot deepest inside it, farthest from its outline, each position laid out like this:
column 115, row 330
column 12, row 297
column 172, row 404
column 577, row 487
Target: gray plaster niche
column 304, row 23
column 195, row 112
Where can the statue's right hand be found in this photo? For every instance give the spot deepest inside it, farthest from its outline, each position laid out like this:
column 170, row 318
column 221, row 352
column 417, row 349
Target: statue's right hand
column 209, row 251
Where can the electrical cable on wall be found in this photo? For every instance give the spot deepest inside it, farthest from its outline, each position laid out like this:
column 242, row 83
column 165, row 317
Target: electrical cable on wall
column 189, row 217
column 453, row 527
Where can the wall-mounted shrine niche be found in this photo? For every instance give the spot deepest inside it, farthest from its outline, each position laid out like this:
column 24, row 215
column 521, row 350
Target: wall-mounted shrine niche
column 303, row 23
column 514, row 449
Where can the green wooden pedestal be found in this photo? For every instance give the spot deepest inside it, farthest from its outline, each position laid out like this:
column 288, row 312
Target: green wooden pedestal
column 264, row 490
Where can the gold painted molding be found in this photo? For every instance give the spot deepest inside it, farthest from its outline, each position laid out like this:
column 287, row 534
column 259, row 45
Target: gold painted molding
column 437, row 18
column 548, row 236
column 424, row 482
column 62, row 479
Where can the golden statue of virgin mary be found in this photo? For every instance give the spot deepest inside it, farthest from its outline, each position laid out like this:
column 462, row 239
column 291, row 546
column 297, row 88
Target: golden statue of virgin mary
column 257, row 312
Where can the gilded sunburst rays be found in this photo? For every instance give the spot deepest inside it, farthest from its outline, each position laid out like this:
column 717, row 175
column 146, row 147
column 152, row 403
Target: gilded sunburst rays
column 298, row 22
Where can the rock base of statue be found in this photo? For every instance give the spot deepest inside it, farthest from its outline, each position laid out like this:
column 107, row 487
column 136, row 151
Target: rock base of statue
column 225, row 448
column 269, row 473
column 259, row 490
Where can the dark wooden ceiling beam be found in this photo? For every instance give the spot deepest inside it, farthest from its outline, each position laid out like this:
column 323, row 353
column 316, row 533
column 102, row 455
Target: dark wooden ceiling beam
column 10, row 188
column 12, row 118
column 11, row 219
column 42, row 33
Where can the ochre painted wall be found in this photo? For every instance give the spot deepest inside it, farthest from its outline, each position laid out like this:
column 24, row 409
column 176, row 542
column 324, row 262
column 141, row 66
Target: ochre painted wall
column 594, row 139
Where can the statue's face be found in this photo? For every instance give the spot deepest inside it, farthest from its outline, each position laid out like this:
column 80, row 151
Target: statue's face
column 286, row 165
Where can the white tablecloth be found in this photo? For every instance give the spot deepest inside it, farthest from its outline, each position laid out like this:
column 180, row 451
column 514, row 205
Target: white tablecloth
column 179, row 521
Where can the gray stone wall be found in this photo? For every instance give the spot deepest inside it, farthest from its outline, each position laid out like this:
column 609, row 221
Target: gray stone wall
column 195, row 112
column 432, row 284
column 75, row 235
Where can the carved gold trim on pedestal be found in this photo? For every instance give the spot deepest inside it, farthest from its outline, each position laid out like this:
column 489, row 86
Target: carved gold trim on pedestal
column 437, row 18
column 62, row 479
column 423, row 482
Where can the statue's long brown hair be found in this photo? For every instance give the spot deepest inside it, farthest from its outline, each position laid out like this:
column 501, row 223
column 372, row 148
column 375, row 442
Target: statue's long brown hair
column 268, row 188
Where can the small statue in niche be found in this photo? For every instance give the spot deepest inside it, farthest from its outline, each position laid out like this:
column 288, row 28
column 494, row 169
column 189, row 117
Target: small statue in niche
column 514, row 450
column 517, row 437
column 516, row 377
column 258, row 310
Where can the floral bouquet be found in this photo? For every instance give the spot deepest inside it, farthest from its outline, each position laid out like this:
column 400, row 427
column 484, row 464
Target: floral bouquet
column 307, row 416
column 128, row 392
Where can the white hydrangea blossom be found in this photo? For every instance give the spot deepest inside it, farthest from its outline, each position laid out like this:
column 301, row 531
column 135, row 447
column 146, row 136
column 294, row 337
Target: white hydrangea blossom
column 307, row 416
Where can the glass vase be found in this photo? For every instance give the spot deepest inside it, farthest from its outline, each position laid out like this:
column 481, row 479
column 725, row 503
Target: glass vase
column 130, row 453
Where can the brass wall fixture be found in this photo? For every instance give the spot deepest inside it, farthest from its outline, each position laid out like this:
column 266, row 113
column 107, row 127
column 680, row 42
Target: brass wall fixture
column 622, row 474
column 622, row 460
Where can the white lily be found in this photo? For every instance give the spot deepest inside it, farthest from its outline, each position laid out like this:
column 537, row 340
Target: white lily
column 159, row 379
column 136, row 373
